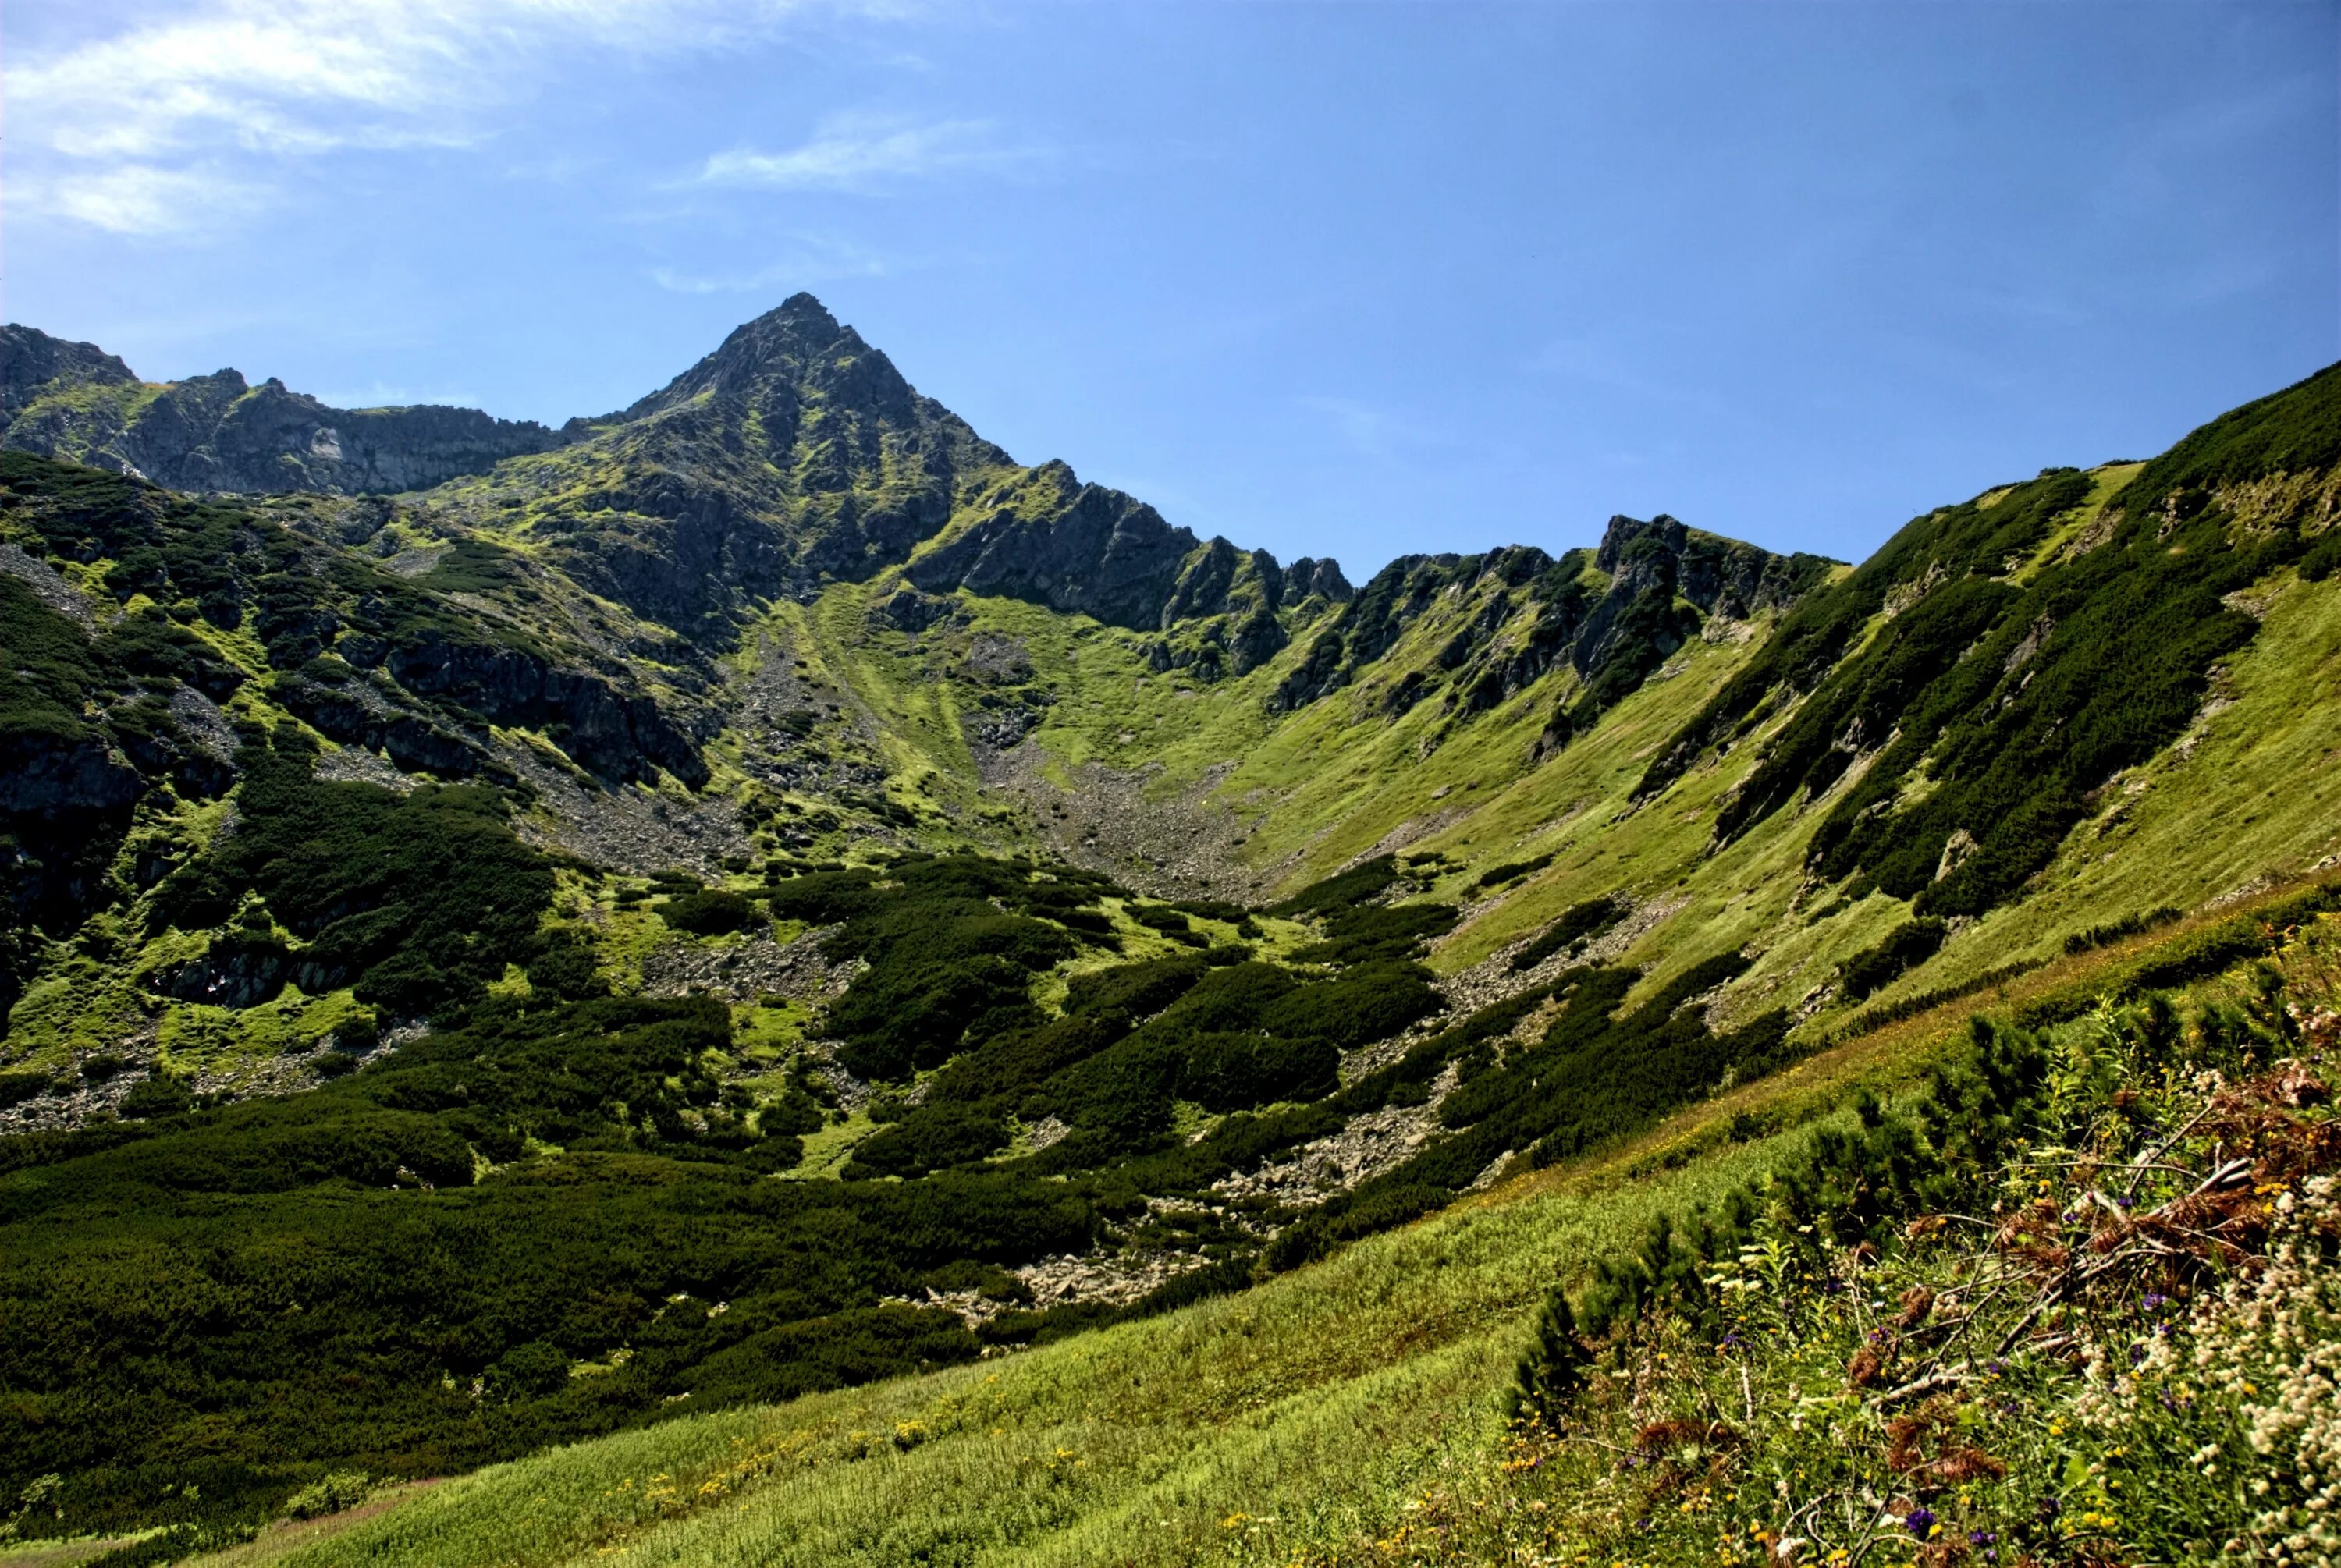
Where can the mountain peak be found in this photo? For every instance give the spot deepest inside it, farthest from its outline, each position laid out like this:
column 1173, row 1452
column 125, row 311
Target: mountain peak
column 796, row 343
column 803, row 306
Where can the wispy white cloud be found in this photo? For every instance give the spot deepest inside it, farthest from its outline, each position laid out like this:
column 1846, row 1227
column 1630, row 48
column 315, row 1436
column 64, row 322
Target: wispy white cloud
column 136, row 198
column 862, row 151
column 118, row 129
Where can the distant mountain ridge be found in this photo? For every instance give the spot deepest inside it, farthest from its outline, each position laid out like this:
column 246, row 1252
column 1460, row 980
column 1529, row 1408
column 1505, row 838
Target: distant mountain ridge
column 219, row 433
column 793, row 449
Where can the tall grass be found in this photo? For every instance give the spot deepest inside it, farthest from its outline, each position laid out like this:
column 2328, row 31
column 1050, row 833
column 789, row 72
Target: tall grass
column 1293, row 1422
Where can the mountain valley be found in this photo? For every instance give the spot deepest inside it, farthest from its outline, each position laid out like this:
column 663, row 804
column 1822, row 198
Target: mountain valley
column 524, row 937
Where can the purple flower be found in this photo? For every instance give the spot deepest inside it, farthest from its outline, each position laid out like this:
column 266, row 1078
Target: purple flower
column 2155, row 1301
column 1918, row 1521
column 1981, row 1537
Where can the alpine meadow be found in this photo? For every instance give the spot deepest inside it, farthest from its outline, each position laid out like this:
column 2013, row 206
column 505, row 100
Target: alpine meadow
column 752, row 982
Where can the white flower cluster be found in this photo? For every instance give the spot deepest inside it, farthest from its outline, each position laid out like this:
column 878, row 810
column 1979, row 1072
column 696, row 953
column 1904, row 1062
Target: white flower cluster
column 2273, row 1341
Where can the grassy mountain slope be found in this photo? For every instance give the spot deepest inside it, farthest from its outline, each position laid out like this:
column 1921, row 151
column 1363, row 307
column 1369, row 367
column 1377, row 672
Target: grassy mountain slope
column 1356, row 1411
column 976, row 913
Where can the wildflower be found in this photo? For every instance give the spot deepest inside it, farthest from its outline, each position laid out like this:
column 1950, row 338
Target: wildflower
column 1920, row 1521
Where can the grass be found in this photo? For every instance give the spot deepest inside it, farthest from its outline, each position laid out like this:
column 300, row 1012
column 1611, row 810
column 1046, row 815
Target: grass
column 1294, row 1420
column 1298, row 1413
column 1132, row 1440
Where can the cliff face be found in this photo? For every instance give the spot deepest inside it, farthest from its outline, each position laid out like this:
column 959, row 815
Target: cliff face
column 1613, row 615
column 1085, row 548
column 218, row 433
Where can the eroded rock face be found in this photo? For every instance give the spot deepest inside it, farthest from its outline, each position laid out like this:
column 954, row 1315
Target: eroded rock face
column 1086, row 548
column 1531, row 612
column 795, row 451
column 32, row 361
column 240, row 970
column 616, row 734
column 1721, row 576
column 61, row 776
column 218, row 433
column 1075, row 546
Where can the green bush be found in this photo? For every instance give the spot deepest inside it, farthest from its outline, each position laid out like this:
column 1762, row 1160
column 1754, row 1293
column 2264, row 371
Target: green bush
column 1139, row 990
column 421, row 898
column 1360, row 884
column 532, row 1369
column 1374, row 932
column 330, row 1494
column 932, row 1136
column 1228, row 1072
column 1509, row 871
column 2113, row 931
column 16, row 1088
column 1906, row 947
column 1580, row 923
column 155, row 1097
column 709, row 914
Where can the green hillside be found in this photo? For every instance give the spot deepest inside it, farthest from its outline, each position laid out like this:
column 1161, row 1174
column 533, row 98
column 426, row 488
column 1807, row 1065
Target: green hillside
column 1363, row 1410
column 928, row 1015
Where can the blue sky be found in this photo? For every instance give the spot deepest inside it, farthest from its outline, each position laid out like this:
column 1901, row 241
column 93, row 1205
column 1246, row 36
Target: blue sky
column 1336, row 279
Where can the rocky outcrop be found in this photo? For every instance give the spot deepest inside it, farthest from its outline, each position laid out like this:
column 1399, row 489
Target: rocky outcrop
column 1613, row 615
column 218, row 433
column 795, row 451
column 45, row 775
column 33, row 363
column 1307, row 577
column 1720, row 576
column 614, row 734
column 1087, row 549
column 239, row 969
column 1077, row 548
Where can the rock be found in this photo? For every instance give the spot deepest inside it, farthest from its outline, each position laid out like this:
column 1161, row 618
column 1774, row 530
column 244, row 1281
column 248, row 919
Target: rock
column 43, row 776
column 217, row 432
column 1071, row 546
column 907, row 610
column 612, row 733
column 745, row 971
column 238, row 969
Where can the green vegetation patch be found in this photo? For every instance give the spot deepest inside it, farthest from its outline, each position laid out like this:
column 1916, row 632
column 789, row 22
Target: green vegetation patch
column 2026, row 1355
column 420, row 899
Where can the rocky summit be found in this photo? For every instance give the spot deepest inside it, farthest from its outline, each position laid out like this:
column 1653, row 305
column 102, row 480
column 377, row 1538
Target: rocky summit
column 692, row 965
